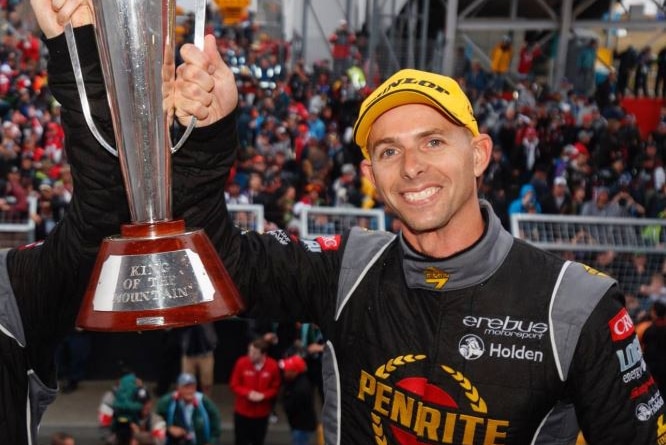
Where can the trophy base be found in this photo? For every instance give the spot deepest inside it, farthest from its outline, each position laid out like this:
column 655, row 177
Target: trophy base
column 156, row 276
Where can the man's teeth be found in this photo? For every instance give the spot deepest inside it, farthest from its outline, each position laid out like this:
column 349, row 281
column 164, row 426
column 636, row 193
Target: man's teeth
column 423, row 194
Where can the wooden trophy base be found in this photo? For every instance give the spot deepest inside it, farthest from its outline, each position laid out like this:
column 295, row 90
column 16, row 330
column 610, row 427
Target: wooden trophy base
column 156, row 276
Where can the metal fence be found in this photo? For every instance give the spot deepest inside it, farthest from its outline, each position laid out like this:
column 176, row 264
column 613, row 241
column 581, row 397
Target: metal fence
column 580, row 233
column 630, row 250
column 14, row 233
column 313, row 221
column 247, row 216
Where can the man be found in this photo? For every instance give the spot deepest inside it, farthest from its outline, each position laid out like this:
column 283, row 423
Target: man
column 43, row 284
column 654, row 342
column 451, row 331
column 298, row 399
column 191, row 417
column 255, row 382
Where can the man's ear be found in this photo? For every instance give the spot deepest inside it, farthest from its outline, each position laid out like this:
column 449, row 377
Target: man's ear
column 482, row 146
column 366, row 169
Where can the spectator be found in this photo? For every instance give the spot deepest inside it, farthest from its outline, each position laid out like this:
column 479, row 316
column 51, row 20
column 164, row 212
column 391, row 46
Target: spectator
column 126, row 411
column 655, row 289
column 198, row 343
column 527, row 154
column 526, row 202
column 476, row 80
column 654, row 344
column 255, row 382
column 602, row 206
column 72, row 356
column 529, row 53
column 660, row 80
column 643, row 63
column 346, row 188
column 585, row 62
column 342, row 41
column 298, row 400
column 558, row 201
column 500, row 62
column 191, row 417
column 628, row 59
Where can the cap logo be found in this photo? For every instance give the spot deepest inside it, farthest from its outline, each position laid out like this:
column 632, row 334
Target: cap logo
column 412, row 80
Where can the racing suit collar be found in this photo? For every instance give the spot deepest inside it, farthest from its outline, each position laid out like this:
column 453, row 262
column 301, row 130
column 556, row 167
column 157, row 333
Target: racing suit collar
column 467, row 268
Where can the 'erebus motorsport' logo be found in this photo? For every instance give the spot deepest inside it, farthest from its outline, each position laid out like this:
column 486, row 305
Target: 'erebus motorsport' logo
column 413, row 410
column 507, row 327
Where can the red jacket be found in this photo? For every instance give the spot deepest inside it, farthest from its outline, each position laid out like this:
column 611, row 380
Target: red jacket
column 245, row 378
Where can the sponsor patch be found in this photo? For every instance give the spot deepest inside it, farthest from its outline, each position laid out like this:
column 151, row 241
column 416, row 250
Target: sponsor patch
column 471, row 347
column 636, row 373
column 645, row 411
column 436, row 277
column 311, row 246
column 630, row 356
column 621, row 326
column 31, row 245
column 281, row 236
column 329, row 242
column 639, row 390
column 507, row 327
column 413, row 410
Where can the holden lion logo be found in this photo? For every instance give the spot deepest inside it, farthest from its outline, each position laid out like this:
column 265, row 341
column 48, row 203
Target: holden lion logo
column 471, row 347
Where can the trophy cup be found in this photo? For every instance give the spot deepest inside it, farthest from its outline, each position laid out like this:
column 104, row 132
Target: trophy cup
column 157, row 273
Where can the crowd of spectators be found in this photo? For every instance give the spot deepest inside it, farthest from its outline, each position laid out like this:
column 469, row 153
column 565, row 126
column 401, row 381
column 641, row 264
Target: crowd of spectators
column 557, row 150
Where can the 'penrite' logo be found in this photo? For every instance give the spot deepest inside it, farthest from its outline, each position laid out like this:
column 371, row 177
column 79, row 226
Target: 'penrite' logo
column 413, row 410
column 437, row 277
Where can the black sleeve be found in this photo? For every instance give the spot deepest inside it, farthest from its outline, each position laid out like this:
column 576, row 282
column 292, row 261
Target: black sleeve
column 49, row 279
column 279, row 279
column 617, row 400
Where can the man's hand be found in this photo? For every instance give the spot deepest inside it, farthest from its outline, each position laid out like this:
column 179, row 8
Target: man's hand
column 205, row 86
column 52, row 15
column 255, row 396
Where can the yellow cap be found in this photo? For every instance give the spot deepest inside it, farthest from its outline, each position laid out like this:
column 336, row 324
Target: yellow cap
column 414, row 87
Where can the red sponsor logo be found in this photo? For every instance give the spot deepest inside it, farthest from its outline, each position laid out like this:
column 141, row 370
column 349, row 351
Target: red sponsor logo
column 329, row 242
column 621, row 326
column 638, row 391
column 31, row 245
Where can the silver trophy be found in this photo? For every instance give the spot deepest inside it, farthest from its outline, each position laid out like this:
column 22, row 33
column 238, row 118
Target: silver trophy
column 157, row 273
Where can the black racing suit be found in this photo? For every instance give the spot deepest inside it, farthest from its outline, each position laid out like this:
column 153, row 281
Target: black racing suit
column 41, row 286
column 495, row 345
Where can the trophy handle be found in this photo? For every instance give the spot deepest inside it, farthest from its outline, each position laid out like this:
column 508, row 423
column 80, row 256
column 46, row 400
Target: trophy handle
column 80, row 86
column 199, row 24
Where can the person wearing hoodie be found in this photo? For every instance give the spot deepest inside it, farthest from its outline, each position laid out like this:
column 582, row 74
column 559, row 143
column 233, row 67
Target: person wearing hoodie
column 526, row 202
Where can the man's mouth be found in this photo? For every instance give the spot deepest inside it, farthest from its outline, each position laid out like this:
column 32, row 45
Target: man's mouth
column 421, row 195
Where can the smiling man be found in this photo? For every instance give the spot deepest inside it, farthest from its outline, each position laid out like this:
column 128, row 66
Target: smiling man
column 450, row 331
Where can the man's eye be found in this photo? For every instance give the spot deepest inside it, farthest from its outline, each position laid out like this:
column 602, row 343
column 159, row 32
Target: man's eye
column 434, row 143
column 387, row 152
